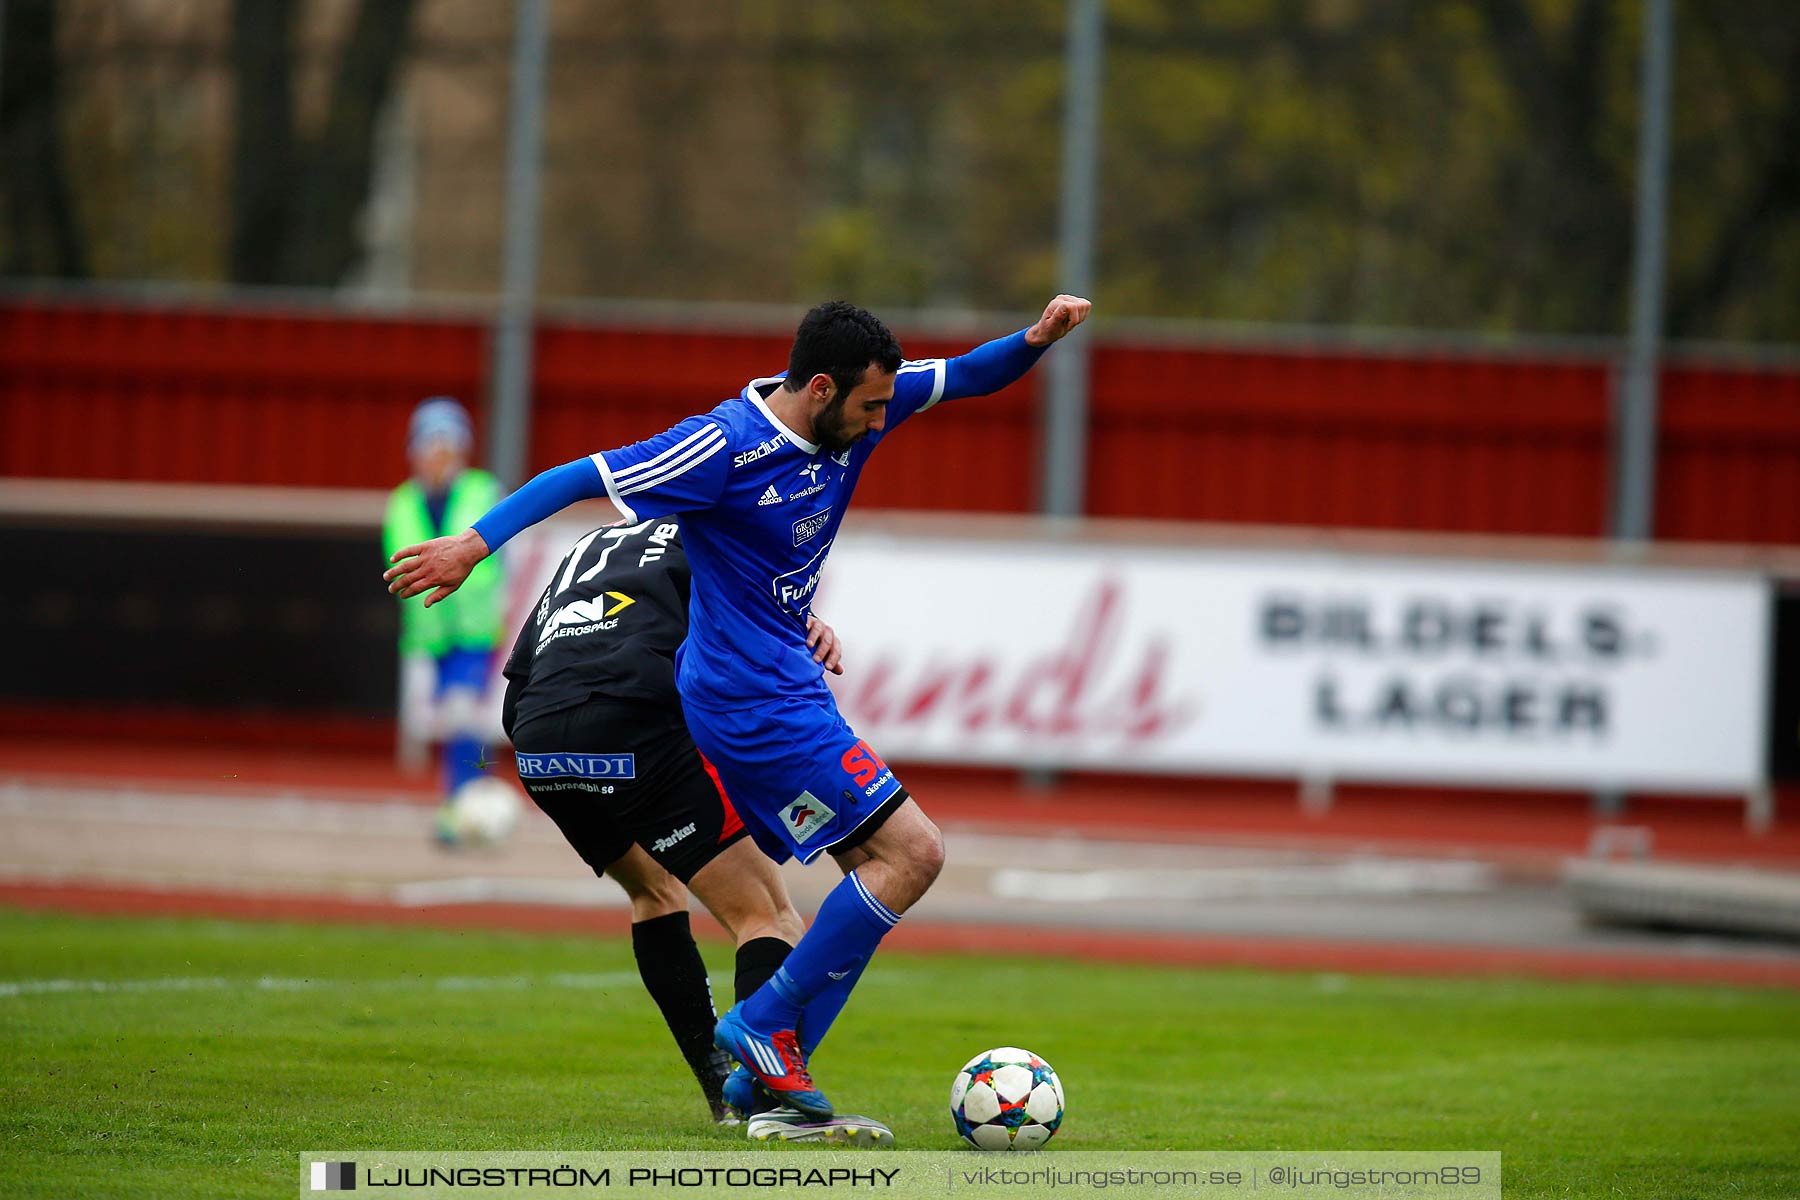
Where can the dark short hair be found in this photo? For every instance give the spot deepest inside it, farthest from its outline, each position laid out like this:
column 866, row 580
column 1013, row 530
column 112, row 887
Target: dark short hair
column 840, row 340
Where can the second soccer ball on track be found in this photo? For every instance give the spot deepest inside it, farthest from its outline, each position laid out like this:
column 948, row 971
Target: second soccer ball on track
column 1006, row 1099
column 483, row 812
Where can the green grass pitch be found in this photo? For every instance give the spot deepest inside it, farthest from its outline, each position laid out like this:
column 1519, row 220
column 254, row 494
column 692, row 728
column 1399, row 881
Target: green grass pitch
column 153, row 1058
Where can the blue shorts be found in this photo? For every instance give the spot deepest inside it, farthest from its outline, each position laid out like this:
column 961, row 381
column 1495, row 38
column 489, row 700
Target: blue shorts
column 463, row 668
column 802, row 781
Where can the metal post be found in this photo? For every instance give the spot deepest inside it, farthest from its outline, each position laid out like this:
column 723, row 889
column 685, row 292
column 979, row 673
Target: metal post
column 1635, row 419
column 1064, row 459
column 509, row 419
column 1635, row 383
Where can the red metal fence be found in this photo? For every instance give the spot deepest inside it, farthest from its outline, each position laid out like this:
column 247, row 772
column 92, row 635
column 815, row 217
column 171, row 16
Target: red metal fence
column 1459, row 441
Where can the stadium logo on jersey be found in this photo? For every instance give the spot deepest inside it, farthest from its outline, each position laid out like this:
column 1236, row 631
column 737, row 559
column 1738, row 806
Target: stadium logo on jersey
column 578, row 766
column 808, row 528
column 769, row 496
column 763, row 451
column 663, row 843
column 584, row 617
column 805, row 816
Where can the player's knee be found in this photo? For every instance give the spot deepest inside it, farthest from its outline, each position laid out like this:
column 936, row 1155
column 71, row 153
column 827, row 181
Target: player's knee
column 761, row 915
column 787, row 923
column 769, row 913
column 925, row 854
column 652, row 893
column 650, row 908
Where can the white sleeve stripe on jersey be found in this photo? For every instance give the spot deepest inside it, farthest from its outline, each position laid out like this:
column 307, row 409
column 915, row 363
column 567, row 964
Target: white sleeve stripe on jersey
column 937, row 385
column 612, row 487
column 651, row 464
column 695, row 457
column 669, row 468
column 625, row 474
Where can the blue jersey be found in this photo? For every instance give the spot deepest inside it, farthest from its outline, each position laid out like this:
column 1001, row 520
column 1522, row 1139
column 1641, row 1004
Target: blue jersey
column 760, row 507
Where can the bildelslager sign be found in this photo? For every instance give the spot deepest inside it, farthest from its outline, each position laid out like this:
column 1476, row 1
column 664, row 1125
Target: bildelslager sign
column 1153, row 658
column 1458, row 667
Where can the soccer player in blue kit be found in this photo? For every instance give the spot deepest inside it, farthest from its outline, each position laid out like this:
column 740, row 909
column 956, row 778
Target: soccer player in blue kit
column 762, row 483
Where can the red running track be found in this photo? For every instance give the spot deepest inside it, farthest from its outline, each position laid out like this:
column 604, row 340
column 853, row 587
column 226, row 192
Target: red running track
column 1491, row 824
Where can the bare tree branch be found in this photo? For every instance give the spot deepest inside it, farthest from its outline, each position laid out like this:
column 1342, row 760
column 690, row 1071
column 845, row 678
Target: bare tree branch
column 1773, row 197
column 262, row 164
column 339, row 162
column 43, row 231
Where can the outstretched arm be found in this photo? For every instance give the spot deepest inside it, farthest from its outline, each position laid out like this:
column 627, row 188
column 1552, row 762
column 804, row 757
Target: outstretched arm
column 678, row 470
column 988, row 367
column 444, row 563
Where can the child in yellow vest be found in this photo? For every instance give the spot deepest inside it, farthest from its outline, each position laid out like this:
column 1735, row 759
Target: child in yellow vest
column 457, row 637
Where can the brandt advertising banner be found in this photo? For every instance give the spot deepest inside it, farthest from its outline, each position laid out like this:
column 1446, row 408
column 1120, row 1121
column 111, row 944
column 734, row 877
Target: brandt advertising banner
column 1159, row 659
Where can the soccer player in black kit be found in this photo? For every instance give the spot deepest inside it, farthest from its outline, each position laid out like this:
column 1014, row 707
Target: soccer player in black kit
column 604, row 751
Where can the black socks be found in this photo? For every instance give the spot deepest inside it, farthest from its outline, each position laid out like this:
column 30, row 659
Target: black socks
column 675, row 976
column 757, row 960
column 673, row 973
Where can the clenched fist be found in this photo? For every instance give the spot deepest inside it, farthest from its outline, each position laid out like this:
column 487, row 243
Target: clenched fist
column 1061, row 315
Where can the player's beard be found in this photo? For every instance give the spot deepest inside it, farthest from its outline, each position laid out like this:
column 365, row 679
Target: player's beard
column 831, row 429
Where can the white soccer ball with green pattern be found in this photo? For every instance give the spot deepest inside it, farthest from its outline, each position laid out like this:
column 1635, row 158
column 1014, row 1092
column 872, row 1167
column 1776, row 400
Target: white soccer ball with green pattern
column 1006, row 1099
column 483, row 812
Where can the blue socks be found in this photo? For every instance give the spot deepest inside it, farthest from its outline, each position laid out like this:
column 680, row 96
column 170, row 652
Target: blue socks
column 829, row 959
column 823, row 1009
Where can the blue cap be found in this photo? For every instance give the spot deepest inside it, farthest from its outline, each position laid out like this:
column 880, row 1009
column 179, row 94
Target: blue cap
column 439, row 419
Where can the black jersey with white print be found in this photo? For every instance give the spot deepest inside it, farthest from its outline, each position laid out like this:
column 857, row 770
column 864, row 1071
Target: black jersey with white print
column 608, row 623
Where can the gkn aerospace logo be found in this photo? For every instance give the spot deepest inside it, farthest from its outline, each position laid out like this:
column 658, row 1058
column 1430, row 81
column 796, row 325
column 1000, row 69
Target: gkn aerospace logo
column 584, row 617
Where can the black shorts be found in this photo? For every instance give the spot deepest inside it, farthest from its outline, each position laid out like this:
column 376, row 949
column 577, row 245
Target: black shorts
column 614, row 772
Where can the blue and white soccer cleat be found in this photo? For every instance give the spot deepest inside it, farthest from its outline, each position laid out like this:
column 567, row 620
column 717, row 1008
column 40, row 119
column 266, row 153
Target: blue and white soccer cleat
column 739, row 1092
column 775, row 1061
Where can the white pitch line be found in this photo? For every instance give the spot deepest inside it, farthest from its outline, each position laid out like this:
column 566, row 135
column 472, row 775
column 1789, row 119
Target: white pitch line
column 1358, row 877
column 280, row 813
column 587, row 892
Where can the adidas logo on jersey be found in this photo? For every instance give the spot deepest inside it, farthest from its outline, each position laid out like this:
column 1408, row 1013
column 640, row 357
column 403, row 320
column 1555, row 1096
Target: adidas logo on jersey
column 769, row 496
